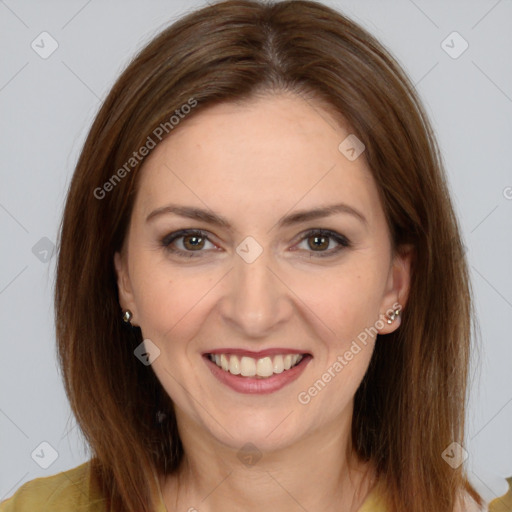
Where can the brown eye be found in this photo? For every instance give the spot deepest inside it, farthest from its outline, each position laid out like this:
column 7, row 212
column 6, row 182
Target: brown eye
column 319, row 242
column 192, row 242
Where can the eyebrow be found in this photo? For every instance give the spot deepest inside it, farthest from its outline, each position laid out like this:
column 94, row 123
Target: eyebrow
column 289, row 220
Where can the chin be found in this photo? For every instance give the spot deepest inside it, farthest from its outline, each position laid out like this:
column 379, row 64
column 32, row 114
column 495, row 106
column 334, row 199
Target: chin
column 266, row 432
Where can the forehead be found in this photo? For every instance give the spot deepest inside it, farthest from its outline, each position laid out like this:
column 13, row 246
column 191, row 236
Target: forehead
column 269, row 151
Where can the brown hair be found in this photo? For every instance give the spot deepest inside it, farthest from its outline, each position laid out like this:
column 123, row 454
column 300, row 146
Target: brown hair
column 411, row 404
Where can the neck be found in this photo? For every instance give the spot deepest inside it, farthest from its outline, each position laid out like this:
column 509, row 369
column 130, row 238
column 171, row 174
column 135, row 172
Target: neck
column 318, row 472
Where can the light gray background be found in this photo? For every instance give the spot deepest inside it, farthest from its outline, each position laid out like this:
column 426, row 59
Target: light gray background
column 47, row 106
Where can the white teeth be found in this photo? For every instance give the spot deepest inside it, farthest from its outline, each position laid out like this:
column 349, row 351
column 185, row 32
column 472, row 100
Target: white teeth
column 250, row 367
column 247, row 367
column 278, row 364
column 264, row 367
column 234, row 365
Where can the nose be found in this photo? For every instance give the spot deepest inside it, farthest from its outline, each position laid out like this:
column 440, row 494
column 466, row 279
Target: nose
column 257, row 301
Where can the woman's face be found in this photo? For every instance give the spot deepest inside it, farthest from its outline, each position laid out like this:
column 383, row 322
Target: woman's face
column 261, row 284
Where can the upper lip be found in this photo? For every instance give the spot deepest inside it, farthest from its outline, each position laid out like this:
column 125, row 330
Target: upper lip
column 256, row 355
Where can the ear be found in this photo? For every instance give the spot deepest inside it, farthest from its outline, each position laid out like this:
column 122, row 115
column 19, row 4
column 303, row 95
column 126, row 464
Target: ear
column 397, row 289
column 126, row 298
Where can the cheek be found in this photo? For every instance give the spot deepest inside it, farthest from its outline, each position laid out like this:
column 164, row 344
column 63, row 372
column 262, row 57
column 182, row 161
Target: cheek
column 347, row 301
column 167, row 297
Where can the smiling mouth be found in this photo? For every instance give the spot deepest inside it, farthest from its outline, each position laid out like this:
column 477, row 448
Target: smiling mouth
column 262, row 368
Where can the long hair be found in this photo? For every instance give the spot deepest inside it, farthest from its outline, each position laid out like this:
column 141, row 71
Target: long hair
column 411, row 403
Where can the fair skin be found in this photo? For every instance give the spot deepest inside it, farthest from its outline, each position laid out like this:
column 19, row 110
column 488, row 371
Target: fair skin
column 253, row 164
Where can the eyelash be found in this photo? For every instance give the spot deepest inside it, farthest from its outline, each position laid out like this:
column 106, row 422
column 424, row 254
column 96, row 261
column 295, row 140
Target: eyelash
column 343, row 241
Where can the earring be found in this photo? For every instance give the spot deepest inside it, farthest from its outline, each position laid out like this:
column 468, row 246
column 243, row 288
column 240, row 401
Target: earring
column 391, row 316
column 160, row 416
column 127, row 316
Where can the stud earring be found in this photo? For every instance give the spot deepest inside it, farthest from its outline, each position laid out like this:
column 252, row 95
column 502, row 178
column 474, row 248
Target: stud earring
column 391, row 316
column 127, row 316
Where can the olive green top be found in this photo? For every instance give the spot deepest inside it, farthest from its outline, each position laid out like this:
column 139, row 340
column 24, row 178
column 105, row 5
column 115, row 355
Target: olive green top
column 73, row 491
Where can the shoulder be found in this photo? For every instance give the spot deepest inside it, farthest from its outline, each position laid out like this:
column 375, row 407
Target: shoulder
column 466, row 503
column 503, row 503
column 65, row 491
column 500, row 504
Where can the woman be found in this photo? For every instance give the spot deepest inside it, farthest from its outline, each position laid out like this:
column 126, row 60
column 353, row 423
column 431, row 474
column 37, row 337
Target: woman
column 262, row 299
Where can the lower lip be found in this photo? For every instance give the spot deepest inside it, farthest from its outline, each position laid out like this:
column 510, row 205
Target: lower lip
column 258, row 386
